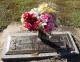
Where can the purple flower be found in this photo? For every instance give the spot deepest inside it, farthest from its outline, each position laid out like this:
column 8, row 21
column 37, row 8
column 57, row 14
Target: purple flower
column 49, row 20
column 46, row 17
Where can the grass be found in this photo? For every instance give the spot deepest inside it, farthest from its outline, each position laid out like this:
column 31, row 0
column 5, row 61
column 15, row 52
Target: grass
column 11, row 10
column 70, row 13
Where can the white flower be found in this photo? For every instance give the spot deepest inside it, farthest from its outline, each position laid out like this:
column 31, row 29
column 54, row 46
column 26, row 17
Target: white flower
column 22, row 20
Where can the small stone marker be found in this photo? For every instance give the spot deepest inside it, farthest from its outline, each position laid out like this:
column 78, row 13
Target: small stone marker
column 24, row 45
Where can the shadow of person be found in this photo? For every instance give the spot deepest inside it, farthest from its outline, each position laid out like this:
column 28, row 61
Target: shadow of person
column 64, row 52
column 74, row 57
column 45, row 39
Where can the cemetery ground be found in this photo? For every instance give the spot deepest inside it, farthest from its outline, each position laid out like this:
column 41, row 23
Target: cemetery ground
column 14, row 27
column 11, row 10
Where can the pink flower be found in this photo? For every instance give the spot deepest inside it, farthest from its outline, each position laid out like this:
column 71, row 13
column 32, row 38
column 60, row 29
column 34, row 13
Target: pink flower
column 47, row 17
column 46, row 22
column 49, row 27
column 49, row 20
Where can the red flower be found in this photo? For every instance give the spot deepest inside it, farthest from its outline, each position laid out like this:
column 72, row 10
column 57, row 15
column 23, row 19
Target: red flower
column 36, row 25
column 29, row 17
column 27, row 25
column 45, row 23
column 30, row 21
column 45, row 28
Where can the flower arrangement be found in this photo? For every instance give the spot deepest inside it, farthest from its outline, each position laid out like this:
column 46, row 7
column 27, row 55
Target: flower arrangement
column 42, row 18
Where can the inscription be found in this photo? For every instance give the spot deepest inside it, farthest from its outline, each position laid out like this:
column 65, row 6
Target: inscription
column 34, row 43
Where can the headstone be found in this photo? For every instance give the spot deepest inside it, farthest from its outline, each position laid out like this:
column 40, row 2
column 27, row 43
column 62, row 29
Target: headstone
column 24, row 46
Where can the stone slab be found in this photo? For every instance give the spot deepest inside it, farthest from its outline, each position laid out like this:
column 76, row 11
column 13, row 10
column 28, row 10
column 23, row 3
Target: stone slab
column 24, row 45
column 21, row 43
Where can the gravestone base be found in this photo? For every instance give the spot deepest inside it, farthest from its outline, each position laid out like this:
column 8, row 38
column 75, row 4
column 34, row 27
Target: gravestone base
column 25, row 47
column 46, row 59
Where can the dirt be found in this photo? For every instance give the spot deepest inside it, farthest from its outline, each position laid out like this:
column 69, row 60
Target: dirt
column 14, row 27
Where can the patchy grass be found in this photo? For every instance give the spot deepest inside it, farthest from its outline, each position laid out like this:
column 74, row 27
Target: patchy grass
column 11, row 10
column 69, row 12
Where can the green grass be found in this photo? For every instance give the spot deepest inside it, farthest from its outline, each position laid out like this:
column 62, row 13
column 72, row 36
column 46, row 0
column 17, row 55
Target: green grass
column 11, row 10
column 69, row 12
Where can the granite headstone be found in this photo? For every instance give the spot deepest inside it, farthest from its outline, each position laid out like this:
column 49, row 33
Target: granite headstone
column 24, row 45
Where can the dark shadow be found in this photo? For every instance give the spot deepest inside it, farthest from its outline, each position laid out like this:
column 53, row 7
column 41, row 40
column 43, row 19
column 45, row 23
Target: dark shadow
column 25, row 60
column 2, row 28
column 73, row 57
column 44, row 38
column 70, row 57
column 46, row 41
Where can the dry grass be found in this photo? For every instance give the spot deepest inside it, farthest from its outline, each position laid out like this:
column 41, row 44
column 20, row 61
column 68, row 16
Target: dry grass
column 11, row 10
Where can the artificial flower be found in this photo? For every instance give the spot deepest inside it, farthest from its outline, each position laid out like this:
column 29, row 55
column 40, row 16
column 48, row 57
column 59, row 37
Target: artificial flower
column 27, row 25
column 27, row 17
column 45, row 8
column 29, row 21
column 49, row 20
column 36, row 25
column 41, row 18
column 35, row 12
column 46, row 17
